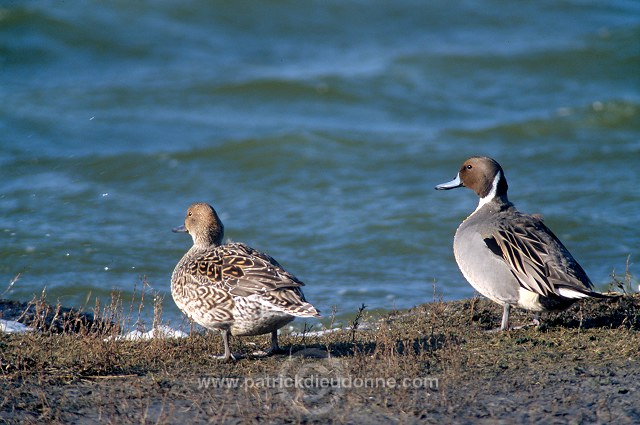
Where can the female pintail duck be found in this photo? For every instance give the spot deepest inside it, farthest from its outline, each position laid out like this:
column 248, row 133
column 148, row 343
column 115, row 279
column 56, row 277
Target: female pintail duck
column 510, row 257
column 233, row 288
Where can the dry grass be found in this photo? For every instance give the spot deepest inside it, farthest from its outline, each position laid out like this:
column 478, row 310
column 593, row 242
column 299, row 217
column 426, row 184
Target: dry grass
column 582, row 366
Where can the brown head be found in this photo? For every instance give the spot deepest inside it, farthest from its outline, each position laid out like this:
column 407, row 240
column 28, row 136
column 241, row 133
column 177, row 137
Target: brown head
column 481, row 174
column 203, row 224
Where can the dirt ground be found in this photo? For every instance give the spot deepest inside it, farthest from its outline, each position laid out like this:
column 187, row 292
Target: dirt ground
column 436, row 363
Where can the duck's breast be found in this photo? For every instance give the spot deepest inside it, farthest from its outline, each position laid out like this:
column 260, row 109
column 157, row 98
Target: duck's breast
column 485, row 270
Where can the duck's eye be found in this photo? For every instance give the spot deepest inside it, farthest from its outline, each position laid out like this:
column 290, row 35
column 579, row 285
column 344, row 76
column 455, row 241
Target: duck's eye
column 469, row 166
column 189, row 213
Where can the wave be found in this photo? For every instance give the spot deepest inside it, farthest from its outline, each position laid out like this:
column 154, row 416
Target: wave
column 616, row 114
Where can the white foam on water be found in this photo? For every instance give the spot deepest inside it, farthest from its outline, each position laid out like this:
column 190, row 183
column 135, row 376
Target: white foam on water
column 314, row 333
column 11, row 327
column 159, row 332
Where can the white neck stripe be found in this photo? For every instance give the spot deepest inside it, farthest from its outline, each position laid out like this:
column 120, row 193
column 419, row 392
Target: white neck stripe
column 492, row 192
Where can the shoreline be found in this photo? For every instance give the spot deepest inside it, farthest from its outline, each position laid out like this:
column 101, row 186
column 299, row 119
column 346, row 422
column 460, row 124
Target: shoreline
column 432, row 363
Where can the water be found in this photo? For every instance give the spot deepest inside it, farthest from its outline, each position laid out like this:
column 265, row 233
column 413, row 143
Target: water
column 317, row 129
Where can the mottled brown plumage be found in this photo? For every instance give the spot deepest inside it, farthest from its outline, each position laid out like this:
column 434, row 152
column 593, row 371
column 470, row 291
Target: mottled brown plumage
column 233, row 288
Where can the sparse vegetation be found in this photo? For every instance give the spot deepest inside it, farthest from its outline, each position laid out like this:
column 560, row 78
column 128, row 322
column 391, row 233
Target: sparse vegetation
column 431, row 363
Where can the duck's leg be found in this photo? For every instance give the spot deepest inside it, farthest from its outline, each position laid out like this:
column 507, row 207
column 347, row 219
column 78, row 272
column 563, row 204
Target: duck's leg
column 227, row 350
column 274, row 341
column 505, row 317
column 275, row 348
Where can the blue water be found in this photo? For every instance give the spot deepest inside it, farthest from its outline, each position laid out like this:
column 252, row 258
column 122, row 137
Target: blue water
column 317, row 129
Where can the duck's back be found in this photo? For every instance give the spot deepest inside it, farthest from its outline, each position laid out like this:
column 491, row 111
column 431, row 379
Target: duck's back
column 236, row 287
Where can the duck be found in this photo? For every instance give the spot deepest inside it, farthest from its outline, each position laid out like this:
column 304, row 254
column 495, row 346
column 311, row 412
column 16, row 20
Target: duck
column 233, row 288
column 511, row 257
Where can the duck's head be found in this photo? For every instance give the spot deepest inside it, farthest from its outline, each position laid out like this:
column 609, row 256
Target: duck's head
column 483, row 175
column 203, row 224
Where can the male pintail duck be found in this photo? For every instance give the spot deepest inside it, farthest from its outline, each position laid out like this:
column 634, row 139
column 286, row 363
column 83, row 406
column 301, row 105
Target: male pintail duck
column 233, row 288
column 510, row 257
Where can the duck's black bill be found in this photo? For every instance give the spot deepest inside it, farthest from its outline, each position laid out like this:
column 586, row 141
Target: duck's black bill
column 450, row 185
column 179, row 229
